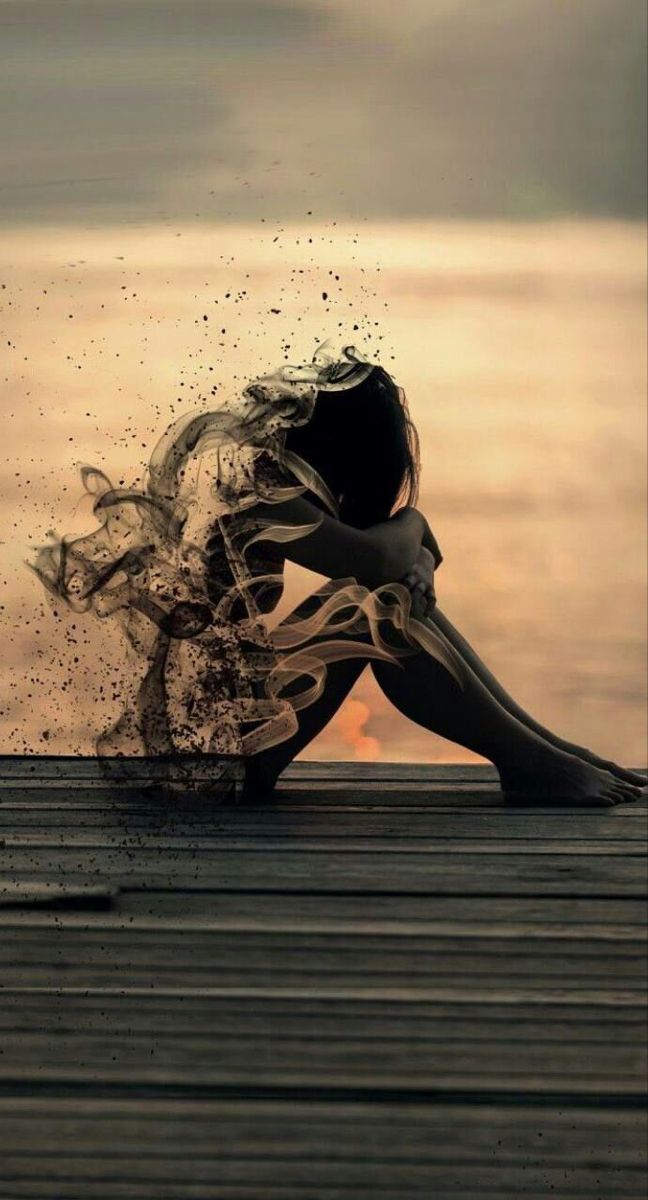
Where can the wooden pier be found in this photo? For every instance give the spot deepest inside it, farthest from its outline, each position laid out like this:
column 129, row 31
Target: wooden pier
column 383, row 983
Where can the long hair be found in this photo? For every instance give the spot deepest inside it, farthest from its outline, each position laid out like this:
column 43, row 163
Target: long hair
column 364, row 445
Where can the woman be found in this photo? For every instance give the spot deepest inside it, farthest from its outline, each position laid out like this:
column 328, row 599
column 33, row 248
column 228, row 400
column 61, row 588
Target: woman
column 317, row 463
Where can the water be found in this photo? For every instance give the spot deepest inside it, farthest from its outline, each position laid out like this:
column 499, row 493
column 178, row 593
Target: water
column 522, row 351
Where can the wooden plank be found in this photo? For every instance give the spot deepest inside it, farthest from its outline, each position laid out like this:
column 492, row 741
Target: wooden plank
column 296, row 796
column 354, row 769
column 200, row 1011
column 282, row 1128
column 400, row 824
column 292, row 794
column 511, row 1000
column 194, row 843
column 251, row 1061
column 35, row 895
column 141, row 938
column 79, row 767
column 41, row 766
column 33, row 917
column 133, row 938
column 273, row 963
column 464, row 1184
column 245, row 909
column 338, row 814
column 612, row 998
column 315, row 1179
column 318, row 971
column 288, row 786
column 532, row 1185
column 410, row 910
column 461, row 873
column 611, row 1142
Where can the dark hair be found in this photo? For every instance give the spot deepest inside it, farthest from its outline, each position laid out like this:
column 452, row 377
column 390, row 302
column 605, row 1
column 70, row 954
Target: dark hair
column 364, row 445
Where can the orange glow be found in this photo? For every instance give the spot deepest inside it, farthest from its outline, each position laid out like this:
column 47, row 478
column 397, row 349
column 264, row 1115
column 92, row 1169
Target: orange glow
column 349, row 723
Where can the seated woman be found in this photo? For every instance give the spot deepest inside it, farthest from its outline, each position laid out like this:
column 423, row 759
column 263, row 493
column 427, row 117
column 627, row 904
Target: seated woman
column 317, row 463
column 361, row 442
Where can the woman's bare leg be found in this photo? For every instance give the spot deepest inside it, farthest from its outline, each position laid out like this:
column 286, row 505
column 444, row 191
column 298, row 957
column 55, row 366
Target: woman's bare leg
column 495, row 688
column 529, row 766
column 263, row 769
column 423, row 690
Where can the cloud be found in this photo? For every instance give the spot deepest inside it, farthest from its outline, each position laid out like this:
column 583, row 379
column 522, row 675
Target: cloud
column 239, row 109
column 349, row 725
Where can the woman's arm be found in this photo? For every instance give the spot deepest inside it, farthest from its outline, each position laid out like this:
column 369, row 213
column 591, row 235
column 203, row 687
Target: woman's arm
column 380, row 554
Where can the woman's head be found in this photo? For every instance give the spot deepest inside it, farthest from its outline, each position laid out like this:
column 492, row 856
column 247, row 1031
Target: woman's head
column 363, row 444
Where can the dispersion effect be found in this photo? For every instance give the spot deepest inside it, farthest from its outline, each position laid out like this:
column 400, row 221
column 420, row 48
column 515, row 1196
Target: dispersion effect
column 215, row 682
column 94, row 345
column 124, row 326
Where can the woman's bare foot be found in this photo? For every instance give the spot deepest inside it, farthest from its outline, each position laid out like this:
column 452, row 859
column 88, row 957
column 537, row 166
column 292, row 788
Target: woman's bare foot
column 587, row 756
column 557, row 777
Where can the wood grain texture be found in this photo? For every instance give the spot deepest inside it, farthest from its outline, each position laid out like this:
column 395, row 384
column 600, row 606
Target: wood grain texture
column 364, row 871
column 383, row 981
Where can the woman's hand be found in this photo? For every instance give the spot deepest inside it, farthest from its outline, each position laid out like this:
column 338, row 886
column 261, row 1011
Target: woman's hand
column 419, row 581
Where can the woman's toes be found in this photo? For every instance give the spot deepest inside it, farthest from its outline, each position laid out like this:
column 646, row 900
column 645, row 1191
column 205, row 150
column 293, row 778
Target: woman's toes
column 631, row 777
column 624, row 795
column 627, row 776
column 610, row 798
column 625, row 792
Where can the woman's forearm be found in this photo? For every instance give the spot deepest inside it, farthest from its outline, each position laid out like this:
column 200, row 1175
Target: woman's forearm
column 381, row 554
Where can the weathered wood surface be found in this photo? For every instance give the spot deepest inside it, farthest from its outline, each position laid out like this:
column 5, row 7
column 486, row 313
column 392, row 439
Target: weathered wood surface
column 386, row 982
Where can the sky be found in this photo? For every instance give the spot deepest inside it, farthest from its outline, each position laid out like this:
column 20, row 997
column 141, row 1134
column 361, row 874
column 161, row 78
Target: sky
column 238, row 110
